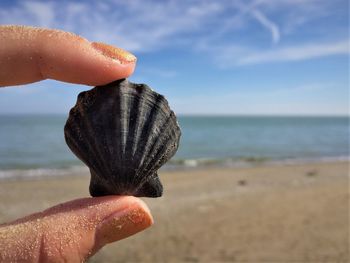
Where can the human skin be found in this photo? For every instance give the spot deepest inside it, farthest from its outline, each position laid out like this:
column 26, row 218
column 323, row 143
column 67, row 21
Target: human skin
column 72, row 231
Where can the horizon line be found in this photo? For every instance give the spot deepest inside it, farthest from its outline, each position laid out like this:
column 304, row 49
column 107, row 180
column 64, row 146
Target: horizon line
column 198, row 114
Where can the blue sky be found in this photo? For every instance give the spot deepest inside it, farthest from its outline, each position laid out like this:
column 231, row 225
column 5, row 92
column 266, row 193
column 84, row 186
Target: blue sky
column 207, row 57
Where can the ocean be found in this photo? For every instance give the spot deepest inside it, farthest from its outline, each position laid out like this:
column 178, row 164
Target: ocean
column 33, row 145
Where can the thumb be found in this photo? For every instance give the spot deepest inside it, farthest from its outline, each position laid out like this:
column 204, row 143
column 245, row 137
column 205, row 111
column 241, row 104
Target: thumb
column 73, row 231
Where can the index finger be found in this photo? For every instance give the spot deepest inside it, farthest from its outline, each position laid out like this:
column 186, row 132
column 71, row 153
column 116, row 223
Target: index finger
column 29, row 54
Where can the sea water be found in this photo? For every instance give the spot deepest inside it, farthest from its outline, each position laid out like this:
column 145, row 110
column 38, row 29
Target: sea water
column 36, row 142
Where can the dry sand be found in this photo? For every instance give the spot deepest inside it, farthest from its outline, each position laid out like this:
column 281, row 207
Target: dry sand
column 296, row 213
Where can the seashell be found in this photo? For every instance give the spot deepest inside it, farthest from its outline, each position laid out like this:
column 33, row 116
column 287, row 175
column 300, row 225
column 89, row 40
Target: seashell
column 124, row 132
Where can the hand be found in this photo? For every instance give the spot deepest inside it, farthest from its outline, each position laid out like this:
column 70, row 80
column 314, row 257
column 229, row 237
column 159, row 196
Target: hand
column 75, row 230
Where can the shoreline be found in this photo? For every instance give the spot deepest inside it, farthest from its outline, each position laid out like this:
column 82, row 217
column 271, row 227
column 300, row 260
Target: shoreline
column 191, row 165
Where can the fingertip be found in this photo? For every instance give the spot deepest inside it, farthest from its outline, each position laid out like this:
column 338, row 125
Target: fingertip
column 118, row 54
column 123, row 223
column 140, row 204
column 73, row 59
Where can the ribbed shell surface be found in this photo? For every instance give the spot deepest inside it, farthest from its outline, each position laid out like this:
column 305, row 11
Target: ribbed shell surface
column 124, row 133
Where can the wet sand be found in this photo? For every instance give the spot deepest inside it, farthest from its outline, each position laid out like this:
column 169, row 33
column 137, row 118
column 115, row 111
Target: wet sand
column 278, row 213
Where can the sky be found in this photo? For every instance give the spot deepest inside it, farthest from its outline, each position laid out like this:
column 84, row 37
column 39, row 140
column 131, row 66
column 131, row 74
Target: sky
column 251, row 57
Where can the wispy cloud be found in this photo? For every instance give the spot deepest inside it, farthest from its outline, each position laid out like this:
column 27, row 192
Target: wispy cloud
column 149, row 26
column 271, row 26
column 43, row 12
column 296, row 53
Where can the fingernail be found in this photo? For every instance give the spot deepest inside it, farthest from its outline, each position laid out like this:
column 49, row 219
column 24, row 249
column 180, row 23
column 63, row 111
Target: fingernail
column 123, row 224
column 121, row 55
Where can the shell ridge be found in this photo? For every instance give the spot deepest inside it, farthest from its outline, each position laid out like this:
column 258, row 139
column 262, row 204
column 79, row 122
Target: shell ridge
column 106, row 140
column 142, row 131
column 147, row 132
column 116, row 124
column 124, row 128
column 149, row 128
column 140, row 116
column 169, row 124
column 134, row 123
column 133, row 102
column 161, row 155
column 75, row 147
column 150, row 99
column 124, row 118
column 94, row 147
column 150, row 169
column 111, row 134
column 75, row 128
column 154, row 147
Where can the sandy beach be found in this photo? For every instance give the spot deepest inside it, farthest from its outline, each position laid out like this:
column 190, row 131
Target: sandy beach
column 275, row 213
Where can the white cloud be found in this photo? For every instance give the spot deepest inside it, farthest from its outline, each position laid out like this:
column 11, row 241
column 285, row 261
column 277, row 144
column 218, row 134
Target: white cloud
column 29, row 13
column 271, row 26
column 296, row 53
column 42, row 12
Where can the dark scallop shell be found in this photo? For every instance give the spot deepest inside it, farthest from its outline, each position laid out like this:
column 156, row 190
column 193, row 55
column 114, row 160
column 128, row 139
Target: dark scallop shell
column 124, row 133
